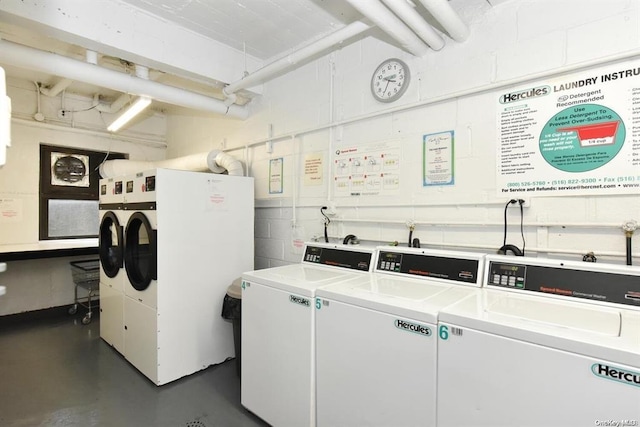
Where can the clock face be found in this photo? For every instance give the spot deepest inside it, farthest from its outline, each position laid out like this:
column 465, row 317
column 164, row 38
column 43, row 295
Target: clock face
column 390, row 80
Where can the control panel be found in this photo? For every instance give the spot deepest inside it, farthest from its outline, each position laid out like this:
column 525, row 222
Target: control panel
column 566, row 281
column 427, row 265
column 340, row 258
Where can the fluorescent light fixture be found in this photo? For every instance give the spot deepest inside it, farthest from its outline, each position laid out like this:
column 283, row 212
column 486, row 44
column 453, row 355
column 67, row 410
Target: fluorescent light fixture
column 135, row 109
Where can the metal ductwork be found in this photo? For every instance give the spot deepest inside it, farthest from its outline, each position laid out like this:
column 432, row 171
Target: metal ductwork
column 214, row 161
column 51, row 63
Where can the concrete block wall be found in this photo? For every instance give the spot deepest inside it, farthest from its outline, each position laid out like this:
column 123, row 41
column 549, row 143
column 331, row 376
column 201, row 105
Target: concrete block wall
column 510, row 44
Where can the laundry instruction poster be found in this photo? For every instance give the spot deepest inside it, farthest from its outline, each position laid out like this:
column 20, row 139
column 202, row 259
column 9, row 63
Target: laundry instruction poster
column 576, row 134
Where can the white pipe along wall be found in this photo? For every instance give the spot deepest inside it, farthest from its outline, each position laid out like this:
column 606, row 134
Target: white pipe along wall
column 272, row 69
column 34, row 59
column 413, row 19
column 442, row 11
column 215, row 161
column 391, row 24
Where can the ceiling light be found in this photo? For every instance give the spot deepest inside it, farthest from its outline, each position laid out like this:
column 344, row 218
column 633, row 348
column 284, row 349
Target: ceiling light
column 135, row 109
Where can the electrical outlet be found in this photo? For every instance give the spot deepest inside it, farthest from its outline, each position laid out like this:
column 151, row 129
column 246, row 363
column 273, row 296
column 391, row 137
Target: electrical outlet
column 526, row 204
column 62, row 114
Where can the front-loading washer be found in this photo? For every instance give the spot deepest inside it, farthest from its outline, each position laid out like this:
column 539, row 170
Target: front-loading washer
column 545, row 343
column 111, row 251
column 376, row 339
column 278, row 334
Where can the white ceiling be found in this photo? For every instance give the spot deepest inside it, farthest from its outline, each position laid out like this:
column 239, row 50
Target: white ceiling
column 267, row 28
column 261, row 30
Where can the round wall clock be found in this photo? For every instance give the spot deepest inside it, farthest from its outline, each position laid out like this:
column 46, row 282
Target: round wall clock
column 390, row 80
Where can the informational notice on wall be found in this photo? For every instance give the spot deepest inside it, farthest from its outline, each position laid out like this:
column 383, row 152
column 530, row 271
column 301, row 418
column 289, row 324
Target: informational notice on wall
column 313, row 167
column 10, row 210
column 275, row 175
column 437, row 159
column 368, row 170
column 577, row 134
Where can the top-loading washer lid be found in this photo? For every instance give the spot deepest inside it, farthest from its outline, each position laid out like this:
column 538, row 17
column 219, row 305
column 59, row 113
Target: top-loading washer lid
column 299, row 278
column 597, row 320
column 608, row 333
column 418, row 299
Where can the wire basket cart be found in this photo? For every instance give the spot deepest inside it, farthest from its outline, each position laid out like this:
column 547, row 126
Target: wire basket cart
column 86, row 275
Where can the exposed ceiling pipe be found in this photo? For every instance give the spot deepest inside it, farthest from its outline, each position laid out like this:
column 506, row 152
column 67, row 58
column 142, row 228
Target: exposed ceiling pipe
column 290, row 61
column 413, row 19
column 34, row 59
column 91, row 56
column 55, row 90
column 390, row 24
column 442, row 11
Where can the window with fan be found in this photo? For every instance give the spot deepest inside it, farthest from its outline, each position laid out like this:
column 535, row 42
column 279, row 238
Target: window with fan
column 69, row 184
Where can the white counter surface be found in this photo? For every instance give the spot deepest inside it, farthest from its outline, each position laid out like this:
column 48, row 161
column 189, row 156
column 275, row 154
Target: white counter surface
column 50, row 245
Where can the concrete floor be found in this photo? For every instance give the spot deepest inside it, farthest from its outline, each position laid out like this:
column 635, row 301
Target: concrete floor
column 54, row 371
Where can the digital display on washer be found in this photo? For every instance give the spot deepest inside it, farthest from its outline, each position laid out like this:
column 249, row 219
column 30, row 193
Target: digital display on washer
column 584, row 284
column 352, row 260
column 456, row 269
column 508, row 275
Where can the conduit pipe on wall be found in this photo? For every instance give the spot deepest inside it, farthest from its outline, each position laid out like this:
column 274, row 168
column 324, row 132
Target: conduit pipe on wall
column 34, row 59
column 390, row 24
column 291, row 60
column 416, row 23
column 215, row 161
column 442, row 11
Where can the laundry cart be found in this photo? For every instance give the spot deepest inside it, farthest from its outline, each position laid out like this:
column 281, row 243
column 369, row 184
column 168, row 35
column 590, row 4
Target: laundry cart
column 86, row 275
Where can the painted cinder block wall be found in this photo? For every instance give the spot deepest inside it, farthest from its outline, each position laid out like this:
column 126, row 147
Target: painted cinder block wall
column 510, row 44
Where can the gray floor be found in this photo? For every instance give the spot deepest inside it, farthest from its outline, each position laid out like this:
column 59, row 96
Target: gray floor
column 54, row 371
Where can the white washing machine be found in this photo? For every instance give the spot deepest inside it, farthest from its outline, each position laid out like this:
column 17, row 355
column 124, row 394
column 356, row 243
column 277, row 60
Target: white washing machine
column 188, row 236
column 111, row 250
column 376, row 339
column 278, row 338
column 546, row 343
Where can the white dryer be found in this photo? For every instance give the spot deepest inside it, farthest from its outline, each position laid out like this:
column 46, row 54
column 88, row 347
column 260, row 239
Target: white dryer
column 376, row 339
column 111, row 251
column 546, row 343
column 188, row 236
column 278, row 334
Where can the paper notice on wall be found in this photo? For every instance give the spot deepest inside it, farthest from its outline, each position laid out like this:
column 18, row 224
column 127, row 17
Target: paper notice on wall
column 437, row 159
column 368, row 170
column 313, row 166
column 275, row 175
column 10, row 210
column 572, row 135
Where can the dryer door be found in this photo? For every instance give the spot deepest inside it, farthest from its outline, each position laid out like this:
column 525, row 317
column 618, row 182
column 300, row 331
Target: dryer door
column 140, row 255
column 110, row 244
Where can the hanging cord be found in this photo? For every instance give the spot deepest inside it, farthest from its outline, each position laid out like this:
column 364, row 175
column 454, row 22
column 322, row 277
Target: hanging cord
column 629, row 227
column 327, row 221
column 521, row 202
column 512, row 248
